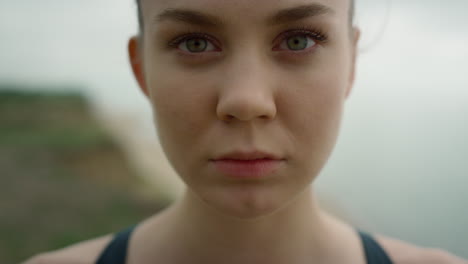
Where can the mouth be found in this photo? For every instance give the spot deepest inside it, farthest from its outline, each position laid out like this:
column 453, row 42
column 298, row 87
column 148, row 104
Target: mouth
column 248, row 165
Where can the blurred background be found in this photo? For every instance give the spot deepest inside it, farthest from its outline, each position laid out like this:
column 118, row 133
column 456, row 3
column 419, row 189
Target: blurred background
column 79, row 156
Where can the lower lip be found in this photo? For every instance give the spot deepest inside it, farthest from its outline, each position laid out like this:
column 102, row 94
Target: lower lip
column 245, row 169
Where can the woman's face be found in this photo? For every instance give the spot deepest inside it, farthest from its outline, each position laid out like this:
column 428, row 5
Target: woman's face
column 240, row 77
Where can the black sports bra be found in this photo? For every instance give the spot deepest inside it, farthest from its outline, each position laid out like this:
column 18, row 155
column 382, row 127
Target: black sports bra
column 116, row 250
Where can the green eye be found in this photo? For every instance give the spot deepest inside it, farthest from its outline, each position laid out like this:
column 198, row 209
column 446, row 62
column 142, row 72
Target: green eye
column 196, row 45
column 297, row 42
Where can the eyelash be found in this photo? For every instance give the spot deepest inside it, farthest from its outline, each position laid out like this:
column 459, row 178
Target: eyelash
column 314, row 33
column 191, row 35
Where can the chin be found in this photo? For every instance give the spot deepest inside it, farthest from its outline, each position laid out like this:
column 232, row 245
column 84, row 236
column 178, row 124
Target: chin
column 245, row 203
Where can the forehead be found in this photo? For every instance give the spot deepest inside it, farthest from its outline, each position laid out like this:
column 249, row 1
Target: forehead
column 248, row 11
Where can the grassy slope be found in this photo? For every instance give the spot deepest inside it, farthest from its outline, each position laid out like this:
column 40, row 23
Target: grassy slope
column 62, row 179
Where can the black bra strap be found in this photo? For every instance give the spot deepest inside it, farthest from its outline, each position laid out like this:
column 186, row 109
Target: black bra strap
column 374, row 252
column 116, row 251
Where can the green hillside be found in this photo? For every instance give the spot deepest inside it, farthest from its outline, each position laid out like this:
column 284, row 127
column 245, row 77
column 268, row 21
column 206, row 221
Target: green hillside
column 62, row 178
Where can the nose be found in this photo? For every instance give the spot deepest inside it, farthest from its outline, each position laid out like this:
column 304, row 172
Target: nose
column 246, row 93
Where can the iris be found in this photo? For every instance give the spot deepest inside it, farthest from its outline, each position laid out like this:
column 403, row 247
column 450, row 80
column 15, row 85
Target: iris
column 297, row 42
column 196, row 45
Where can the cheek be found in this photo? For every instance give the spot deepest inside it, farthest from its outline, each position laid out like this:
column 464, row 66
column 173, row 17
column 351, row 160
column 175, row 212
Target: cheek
column 176, row 97
column 183, row 110
column 312, row 109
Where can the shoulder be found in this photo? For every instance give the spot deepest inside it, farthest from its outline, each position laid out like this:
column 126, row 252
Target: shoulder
column 404, row 253
column 85, row 252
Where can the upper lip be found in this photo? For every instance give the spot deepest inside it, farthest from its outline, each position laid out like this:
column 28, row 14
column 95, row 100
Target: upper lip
column 247, row 155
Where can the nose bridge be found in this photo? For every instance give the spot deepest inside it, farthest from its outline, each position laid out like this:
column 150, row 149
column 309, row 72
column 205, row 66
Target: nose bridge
column 246, row 90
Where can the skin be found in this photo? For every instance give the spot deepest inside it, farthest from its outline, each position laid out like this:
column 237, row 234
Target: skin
column 250, row 91
column 250, row 94
column 247, row 97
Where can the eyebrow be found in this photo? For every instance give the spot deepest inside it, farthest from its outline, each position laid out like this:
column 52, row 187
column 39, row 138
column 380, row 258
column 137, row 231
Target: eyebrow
column 298, row 13
column 189, row 17
column 281, row 17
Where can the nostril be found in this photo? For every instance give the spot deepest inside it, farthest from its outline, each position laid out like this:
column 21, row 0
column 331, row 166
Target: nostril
column 228, row 118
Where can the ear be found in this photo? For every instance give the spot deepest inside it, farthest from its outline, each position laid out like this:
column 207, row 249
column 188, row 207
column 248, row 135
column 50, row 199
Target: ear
column 136, row 61
column 355, row 35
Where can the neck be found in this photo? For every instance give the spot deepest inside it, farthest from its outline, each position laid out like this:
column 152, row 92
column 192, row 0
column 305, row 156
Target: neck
column 298, row 229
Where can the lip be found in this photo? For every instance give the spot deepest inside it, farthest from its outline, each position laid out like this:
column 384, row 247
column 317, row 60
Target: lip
column 248, row 165
column 248, row 155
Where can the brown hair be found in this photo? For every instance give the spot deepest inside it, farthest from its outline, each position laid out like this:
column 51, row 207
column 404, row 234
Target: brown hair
column 141, row 25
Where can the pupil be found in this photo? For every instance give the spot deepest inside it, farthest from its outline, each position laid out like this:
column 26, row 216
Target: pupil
column 196, row 45
column 297, row 43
